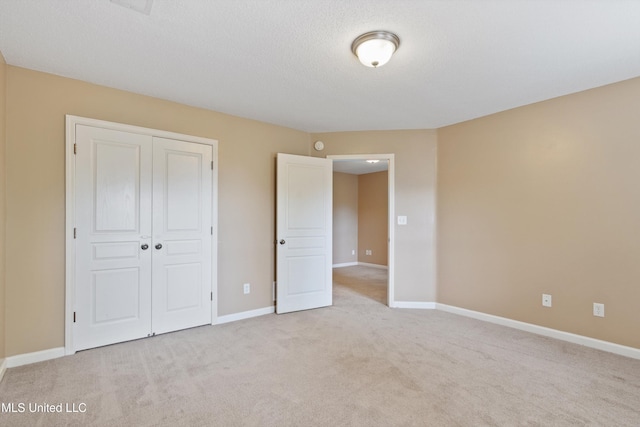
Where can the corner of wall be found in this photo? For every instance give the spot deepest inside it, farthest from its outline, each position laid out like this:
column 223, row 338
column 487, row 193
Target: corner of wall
column 434, row 245
column 3, row 103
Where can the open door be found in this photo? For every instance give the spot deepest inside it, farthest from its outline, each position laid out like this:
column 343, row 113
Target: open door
column 303, row 233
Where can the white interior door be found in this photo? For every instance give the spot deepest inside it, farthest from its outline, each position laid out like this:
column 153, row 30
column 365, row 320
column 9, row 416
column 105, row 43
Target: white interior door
column 182, row 231
column 113, row 211
column 304, row 233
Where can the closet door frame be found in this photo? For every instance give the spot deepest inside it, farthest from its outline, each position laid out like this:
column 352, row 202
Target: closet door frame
column 70, row 211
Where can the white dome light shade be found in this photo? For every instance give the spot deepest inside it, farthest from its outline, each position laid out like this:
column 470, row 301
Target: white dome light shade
column 375, row 48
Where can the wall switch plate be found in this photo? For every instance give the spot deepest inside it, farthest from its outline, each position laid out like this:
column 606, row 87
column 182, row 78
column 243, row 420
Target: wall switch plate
column 598, row 309
column 367, row 252
column 247, row 288
column 546, row 300
column 402, row 220
column 353, row 251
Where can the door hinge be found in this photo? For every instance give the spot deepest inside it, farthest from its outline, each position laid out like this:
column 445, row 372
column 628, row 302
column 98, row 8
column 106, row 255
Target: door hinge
column 74, row 317
column 212, row 230
column 75, row 148
column 74, row 232
column 211, row 164
column 211, row 296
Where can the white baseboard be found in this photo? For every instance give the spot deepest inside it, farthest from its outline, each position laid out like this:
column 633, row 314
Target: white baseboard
column 414, row 304
column 35, row 357
column 345, row 264
column 607, row 346
column 610, row 347
column 366, row 264
column 245, row 315
column 634, row 353
column 54, row 353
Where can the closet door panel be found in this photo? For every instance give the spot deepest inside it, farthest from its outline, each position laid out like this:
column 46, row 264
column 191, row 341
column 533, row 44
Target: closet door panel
column 113, row 211
column 182, row 180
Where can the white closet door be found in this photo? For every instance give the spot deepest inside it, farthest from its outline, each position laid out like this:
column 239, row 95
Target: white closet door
column 182, row 180
column 113, row 211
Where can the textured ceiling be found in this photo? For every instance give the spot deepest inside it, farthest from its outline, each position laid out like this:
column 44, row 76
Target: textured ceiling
column 289, row 62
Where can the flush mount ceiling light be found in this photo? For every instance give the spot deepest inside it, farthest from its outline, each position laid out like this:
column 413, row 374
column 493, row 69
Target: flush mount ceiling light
column 375, row 48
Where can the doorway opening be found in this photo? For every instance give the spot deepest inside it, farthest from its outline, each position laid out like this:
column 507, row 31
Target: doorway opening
column 372, row 171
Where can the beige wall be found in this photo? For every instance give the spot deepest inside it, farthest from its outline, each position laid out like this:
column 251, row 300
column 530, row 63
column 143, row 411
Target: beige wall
column 538, row 199
column 36, row 108
column 3, row 81
column 373, row 217
column 415, row 183
column 545, row 199
column 345, row 217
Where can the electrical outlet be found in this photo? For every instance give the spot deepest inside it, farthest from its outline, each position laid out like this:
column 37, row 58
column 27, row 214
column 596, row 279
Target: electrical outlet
column 367, row 252
column 402, row 220
column 247, row 288
column 546, row 300
column 598, row 309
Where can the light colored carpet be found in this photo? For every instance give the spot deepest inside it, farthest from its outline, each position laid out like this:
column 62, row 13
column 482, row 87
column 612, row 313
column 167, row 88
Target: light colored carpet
column 357, row 363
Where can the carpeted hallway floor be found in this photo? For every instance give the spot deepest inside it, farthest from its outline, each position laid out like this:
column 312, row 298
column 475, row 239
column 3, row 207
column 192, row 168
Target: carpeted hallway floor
column 370, row 283
column 357, row 363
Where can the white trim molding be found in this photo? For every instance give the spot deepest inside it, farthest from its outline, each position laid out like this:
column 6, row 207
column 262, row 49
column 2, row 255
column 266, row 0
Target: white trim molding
column 3, row 368
column 345, row 264
column 597, row 344
column 245, row 315
column 364, row 264
column 415, row 304
column 631, row 352
column 54, row 353
column 35, row 357
column 607, row 346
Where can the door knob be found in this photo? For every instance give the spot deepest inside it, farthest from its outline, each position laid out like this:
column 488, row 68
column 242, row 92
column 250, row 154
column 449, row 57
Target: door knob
column 144, row 247
column 159, row 246
column 282, row 242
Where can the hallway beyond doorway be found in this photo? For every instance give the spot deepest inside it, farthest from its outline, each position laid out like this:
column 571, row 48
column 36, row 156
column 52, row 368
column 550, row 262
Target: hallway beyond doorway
column 370, row 282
